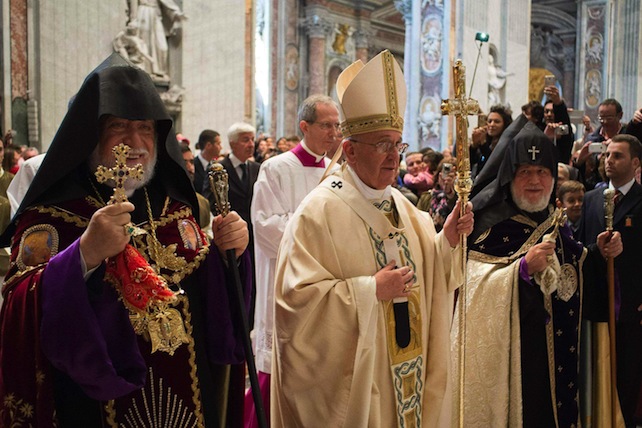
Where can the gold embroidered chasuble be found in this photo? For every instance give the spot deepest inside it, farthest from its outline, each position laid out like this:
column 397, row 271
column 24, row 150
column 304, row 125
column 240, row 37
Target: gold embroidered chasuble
column 493, row 384
column 327, row 315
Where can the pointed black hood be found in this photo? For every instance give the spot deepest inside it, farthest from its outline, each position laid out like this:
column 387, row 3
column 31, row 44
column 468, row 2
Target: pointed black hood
column 117, row 88
column 530, row 146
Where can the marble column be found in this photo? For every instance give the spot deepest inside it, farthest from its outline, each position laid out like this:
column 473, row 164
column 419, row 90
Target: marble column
column 317, row 28
column 361, row 45
column 18, row 26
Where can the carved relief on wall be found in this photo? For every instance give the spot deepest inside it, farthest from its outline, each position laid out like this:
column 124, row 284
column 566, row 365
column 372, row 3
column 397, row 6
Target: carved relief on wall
column 593, row 88
column 431, row 38
column 291, row 67
column 594, row 47
column 430, row 117
column 596, row 12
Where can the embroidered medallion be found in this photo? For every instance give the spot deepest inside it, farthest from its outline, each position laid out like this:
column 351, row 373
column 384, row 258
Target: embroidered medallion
column 166, row 331
column 38, row 244
column 568, row 282
column 189, row 234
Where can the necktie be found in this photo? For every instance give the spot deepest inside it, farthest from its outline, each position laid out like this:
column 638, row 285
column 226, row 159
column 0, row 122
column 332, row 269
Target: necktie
column 617, row 198
column 243, row 173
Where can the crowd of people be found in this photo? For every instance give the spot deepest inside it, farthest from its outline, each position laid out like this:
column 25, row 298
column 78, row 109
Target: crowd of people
column 118, row 305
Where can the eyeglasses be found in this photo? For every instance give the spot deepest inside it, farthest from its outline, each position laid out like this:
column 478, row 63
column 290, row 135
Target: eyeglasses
column 384, row 147
column 326, row 126
column 606, row 118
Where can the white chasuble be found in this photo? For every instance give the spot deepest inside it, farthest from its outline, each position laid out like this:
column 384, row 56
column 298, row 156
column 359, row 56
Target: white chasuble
column 336, row 361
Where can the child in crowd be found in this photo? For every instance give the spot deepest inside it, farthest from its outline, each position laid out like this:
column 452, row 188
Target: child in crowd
column 570, row 196
column 417, row 179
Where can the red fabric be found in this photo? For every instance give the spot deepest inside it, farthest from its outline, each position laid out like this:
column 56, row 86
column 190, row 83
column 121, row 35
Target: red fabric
column 136, row 281
column 250, row 420
column 24, row 402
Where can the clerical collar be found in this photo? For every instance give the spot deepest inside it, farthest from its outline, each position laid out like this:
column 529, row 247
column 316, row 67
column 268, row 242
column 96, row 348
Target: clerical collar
column 317, row 158
column 235, row 161
column 367, row 191
column 623, row 189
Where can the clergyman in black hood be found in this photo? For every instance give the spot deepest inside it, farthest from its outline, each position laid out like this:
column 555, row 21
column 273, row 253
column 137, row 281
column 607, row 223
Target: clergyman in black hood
column 529, row 283
column 90, row 338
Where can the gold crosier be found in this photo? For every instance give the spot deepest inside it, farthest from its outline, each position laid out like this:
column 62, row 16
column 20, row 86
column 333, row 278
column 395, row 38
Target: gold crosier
column 609, row 209
column 461, row 107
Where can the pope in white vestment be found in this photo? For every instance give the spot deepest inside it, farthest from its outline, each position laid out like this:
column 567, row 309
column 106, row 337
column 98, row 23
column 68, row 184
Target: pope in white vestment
column 341, row 355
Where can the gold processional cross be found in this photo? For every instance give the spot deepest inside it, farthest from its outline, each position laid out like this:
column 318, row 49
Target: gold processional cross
column 460, row 106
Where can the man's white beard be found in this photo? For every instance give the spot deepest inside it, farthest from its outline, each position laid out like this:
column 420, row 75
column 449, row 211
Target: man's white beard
column 130, row 184
column 531, row 207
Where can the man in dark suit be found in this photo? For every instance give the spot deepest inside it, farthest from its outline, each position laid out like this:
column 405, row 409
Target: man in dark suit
column 242, row 174
column 241, row 171
column 623, row 156
column 209, row 143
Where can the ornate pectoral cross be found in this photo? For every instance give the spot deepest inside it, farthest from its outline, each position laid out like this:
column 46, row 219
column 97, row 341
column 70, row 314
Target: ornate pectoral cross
column 119, row 173
column 461, row 106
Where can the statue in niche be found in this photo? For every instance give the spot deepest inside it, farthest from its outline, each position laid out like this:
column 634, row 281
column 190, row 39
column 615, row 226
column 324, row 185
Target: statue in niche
column 342, row 34
column 130, row 46
column 496, row 82
column 156, row 20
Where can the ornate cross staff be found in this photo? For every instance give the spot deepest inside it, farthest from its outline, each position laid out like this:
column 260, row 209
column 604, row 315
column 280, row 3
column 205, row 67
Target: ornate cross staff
column 461, row 107
column 217, row 177
column 609, row 208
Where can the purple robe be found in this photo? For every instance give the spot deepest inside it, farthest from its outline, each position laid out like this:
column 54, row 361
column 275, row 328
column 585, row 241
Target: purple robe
column 79, row 334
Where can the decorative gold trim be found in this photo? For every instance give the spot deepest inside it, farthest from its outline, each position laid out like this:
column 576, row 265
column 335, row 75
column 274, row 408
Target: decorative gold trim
column 532, row 240
column 177, row 277
column 94, row 202
column 66, row 215
column 377, row 122
column 111, row 414
column 390, row 84
column 182, row 213
column 550, row 349
column 187, row 317
column 20, row 274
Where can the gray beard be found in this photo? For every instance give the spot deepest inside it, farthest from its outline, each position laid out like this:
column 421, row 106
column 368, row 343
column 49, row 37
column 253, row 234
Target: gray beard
column 130, row 185
column 531, row 207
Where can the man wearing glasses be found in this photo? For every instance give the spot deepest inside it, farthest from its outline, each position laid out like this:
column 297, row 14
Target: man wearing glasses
column 609, row 114
column 363, row 283
column 283, row 181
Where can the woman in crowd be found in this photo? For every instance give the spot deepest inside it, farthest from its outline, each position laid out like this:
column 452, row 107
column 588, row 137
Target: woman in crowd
column 485, row 138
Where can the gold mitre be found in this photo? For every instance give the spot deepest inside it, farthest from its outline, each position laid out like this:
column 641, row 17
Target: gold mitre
column 372, row 97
